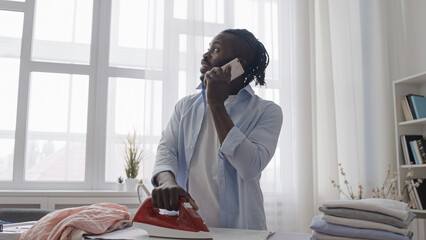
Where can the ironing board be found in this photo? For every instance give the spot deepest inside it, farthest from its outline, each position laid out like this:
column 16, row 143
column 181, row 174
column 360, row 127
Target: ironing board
column 218, row 234
column 290, row 236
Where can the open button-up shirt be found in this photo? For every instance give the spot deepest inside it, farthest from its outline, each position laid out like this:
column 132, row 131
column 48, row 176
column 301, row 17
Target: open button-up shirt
column 245, row 152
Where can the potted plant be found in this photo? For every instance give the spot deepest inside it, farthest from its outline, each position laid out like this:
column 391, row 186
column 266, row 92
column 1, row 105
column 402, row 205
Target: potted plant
column 120, row 184
column 132, row 154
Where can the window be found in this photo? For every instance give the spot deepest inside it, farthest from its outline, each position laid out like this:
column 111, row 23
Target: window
column 132, row 104
column 11, row 24
column 92, row 71
column 137, row 34
column 62, row 31
column 57, row 123
column 135, row 86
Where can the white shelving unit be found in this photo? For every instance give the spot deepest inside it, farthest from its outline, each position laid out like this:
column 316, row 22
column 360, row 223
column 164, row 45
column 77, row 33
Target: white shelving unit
column 415, row 84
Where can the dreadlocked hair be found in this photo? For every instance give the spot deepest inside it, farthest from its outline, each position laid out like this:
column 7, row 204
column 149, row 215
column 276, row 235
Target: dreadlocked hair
column 256, row 69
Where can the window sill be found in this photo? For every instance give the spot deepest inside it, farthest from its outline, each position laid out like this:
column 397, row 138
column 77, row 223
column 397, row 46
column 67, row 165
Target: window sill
column 59, row 199
column 66, row 193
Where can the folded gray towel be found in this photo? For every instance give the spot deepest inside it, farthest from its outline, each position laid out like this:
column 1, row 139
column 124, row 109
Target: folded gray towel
column 386, row 206
column 359, row 223
column 323, row 236
column 369, row 216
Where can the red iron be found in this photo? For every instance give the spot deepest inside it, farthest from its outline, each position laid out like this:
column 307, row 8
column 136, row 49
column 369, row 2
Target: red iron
column 187, row 225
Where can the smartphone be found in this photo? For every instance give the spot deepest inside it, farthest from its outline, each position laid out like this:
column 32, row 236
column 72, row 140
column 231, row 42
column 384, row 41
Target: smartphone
column 236, row 68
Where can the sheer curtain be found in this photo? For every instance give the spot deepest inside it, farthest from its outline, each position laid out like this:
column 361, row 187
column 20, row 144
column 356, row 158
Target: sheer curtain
column 361, row 47
column 354, row 115
column 357, row 49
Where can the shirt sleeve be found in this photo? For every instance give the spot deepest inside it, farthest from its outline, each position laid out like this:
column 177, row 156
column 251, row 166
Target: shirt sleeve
column 250, row 154
column 166, row 158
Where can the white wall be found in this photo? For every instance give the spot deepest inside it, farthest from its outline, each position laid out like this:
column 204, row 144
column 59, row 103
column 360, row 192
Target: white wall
column 406, row 21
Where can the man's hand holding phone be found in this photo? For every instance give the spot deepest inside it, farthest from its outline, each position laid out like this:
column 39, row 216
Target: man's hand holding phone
column 218, row 81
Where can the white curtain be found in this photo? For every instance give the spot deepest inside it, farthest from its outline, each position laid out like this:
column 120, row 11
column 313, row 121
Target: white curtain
column 354, row 113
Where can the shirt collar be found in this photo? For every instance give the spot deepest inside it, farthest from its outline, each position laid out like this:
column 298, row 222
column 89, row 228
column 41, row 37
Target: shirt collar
column 200, row 86
column 247, row 89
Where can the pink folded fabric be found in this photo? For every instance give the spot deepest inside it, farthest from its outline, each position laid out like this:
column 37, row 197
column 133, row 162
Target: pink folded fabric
column 94, row 219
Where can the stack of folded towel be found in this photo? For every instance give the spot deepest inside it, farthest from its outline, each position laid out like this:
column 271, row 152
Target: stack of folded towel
column 372, row 218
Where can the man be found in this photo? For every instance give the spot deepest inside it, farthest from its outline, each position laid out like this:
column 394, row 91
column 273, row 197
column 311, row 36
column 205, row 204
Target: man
column 218, row 141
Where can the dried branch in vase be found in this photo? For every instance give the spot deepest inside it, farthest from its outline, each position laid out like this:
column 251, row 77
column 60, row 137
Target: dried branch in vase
column 389, row 188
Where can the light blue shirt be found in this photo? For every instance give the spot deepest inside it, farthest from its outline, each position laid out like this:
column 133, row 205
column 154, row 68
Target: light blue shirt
column 244, row 153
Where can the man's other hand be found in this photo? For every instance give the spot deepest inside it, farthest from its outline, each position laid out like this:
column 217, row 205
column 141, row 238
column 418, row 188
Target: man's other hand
column 166, row 195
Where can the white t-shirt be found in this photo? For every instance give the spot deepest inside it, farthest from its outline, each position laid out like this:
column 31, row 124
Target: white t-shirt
column 202, row 182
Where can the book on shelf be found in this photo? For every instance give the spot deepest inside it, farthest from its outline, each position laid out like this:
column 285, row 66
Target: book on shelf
column 416, row 152
column 411, row 194
column 410, row 107
column 419, row 106
column 421, row 144
column 404, row 150
column 420, row 193
column 406, row 109
column 416, row 196
column 406, row 147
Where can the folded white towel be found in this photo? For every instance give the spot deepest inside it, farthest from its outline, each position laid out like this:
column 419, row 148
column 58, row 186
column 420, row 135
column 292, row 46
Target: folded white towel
column 365, row 224
column 385, row 206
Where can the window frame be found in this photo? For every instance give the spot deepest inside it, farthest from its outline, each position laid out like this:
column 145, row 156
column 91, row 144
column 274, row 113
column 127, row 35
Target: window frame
column 98, row 70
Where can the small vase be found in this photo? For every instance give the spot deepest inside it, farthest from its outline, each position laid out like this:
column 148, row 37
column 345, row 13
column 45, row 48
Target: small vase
column 131, row 184
column 120, row 187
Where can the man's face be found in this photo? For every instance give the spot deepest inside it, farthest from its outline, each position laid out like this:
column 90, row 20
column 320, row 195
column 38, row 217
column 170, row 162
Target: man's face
column 219, row 53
